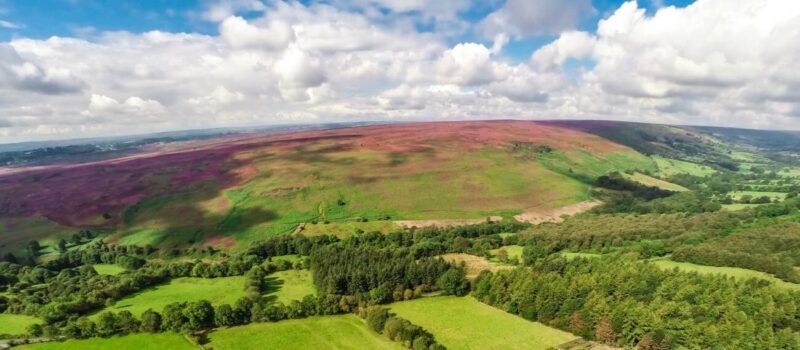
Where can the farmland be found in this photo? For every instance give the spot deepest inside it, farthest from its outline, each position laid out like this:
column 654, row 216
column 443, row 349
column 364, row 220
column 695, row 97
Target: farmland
column 327, row 332
column 285, row 286
column 454, row 323
column 170, row 341
column 220, row 290
column 668, row 167
column 16, row 324
column 651, row 181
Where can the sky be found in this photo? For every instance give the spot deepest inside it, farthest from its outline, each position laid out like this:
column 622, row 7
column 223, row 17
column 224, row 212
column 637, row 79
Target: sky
column 87, row 68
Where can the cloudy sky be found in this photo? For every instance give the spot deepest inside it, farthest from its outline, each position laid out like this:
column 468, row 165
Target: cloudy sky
column 81, row 68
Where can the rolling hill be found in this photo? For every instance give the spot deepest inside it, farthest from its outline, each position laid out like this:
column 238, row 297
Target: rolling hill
column 233, row 189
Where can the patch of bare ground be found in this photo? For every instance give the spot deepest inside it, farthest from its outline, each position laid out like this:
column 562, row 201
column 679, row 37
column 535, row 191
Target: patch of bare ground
column 538, row 216
column 474, row 264
column 445, row 222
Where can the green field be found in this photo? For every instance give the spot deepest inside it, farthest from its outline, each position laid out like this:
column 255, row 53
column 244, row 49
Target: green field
column 651, row 181
column 285, row 286
column 736, row 195
column 465, row 323
column 16, row 324
column 216, row 290
column 108, row 269
column 739, row 206
column 348, row 227
column 668, row 167
column 161, row 341
column 728, row 271
column 571, row 256
column 513, row 251
column 315, row 333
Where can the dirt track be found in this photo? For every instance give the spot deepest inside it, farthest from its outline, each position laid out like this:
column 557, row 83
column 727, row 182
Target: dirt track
column 554, row 215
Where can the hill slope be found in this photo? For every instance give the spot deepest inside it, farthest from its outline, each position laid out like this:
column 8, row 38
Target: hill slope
column 234, row 189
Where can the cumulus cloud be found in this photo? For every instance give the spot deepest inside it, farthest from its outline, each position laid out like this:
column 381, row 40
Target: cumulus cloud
column 468, row 64
column 708, row 63
column 523, row 18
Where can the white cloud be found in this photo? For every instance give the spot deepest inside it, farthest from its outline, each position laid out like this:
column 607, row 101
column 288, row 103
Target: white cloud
column 468, row 64
column 523, row 18
column 238, row 33
column 708, row 63
column 10, row 25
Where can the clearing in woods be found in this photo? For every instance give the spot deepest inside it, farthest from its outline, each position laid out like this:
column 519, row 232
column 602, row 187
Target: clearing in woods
column 217, row 290
column 463, row 323
column 343, row 332
column 474, row 264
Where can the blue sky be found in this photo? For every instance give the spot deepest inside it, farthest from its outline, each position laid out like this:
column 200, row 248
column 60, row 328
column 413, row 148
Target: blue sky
column 84, row 68
column 45, row 18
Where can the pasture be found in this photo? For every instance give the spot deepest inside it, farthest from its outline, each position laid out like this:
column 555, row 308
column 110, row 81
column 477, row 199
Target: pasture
column 217, row 290
column 774, row 196
column 735, row 272
column 668, row 167
column 108, row 269
column 143, row 341
column 463, row 323
column 474, row 264
column 513, row 251
column 322, row 332
column 16, row 324
column 285, row 286
column 570, row 256
column 651, row 181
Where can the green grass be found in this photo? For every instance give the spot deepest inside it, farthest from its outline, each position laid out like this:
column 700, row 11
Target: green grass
column 326, row 332
column 739, row 206
column 16, row 324
column 755, row 194
column 651, row 181
column 728, row 271
column 513, row 251
column 108, row 269
column 571, row 256
column 216, row 290
column 349, row 227
column 465, row 323
column 668, row 167
column 285, row 286
column 161, row 341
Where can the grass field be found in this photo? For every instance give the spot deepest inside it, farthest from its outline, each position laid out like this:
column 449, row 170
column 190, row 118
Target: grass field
column 729, row 271
column 16, row 324
column 108, row 269
column 474, row 264
column 739, row 206
column 348, row 227
column 513, row 251
column 285, row 286
column 651, row 181
column 313, row 333
column 161, row 341
column 755, row 194
column 216, row 290
column 668, row 167
column 465, row 323
column 571, row 256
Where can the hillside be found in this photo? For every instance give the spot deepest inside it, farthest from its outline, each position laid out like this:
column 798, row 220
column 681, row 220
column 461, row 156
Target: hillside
column 234, row 189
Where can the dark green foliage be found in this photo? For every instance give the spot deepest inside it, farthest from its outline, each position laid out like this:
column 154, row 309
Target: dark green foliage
column 398, row 329
column 151, row 322
column 620, row 300
column 453, row 282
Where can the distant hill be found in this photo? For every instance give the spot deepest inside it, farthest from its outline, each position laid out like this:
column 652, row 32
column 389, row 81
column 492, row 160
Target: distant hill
column 228, row 190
